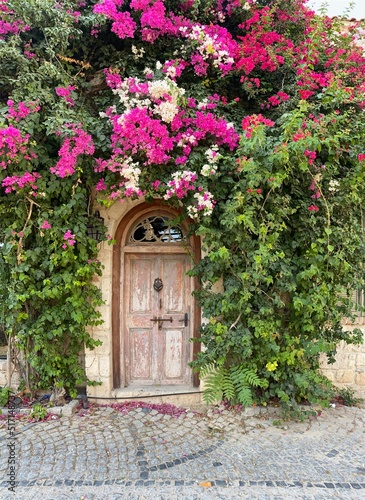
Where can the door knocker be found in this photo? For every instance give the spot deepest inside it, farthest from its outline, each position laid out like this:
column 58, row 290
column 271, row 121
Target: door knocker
column 157, row 284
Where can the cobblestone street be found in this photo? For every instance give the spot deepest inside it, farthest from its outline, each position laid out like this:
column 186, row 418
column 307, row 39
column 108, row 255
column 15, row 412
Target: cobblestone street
column 144, row 454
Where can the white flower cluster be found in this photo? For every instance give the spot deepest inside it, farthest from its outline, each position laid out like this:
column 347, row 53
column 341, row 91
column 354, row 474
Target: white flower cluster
column 248, row 5
column 333, row 185
column 210, row 168
column 186, row 175
column 168, row 90
column 171, row 72
column 113, row 109
column 208, row 46
column 165, row 91
column 204, row 205
column 167, row 111
column 126, row 98
column 160, row 88
column 148, row 71
column 187, row 138
column 130, row 172
column 138, row 54
column 221, row 16
column 181, row 183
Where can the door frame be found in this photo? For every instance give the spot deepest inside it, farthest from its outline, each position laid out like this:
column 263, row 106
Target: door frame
column 143, row 209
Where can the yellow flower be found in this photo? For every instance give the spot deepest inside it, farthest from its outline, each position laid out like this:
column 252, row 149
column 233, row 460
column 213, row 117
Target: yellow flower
column 271, row 366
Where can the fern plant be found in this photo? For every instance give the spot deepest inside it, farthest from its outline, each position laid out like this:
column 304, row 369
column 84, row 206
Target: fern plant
column 233, row 384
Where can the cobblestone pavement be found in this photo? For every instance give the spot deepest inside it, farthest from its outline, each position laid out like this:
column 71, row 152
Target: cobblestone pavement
column 144, row 454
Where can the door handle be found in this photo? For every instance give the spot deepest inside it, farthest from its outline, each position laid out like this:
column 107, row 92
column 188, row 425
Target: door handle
column 160, row 320
column 185, row 320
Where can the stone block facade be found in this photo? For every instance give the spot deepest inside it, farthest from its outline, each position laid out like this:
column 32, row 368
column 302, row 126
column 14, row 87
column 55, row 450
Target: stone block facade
column 3, row 370
column 348, row 372
column 4, row 375
column 98, row 362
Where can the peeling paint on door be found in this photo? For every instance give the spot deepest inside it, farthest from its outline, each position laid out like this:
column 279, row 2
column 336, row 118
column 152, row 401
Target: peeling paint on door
column 157, row 346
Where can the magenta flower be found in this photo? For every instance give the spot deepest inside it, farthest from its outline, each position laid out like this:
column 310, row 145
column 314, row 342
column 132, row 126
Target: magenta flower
column 64, row 91
column 72, row 148
column 305, row 94
column 46, row 225
column 70, row 239
column 16, row 182
column 68, row 235
column 101, row 186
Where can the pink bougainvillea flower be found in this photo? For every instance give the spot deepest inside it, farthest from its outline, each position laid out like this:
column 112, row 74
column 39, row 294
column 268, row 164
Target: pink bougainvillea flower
column 64, row 91
column 16, row 182
column 305, row 94
column 21, row 110
column 123, row 25
column 12, row 143
column 72, row 148
column 313, row 208
column 101, row 186
column 68, row 235
column 69, row 238
column 46, row 225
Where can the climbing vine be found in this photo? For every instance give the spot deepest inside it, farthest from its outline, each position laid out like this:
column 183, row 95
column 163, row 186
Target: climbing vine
column 248, row 115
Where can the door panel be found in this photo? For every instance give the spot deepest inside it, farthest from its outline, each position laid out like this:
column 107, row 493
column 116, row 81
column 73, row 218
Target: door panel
column 141, row 350
column 173, row 275
column 173, row 355
column 140, row 283
column 157, row 352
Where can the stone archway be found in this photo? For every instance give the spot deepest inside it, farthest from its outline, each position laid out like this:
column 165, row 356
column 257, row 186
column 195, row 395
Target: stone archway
column 153, row 312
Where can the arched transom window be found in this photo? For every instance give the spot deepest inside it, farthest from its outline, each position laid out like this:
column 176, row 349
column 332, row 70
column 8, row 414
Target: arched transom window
column 156, row 229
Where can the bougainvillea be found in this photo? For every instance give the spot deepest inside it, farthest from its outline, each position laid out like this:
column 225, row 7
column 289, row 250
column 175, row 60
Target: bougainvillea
column 247, row 115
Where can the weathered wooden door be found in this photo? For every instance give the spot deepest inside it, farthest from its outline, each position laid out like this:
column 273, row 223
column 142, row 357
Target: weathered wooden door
column 157, row 319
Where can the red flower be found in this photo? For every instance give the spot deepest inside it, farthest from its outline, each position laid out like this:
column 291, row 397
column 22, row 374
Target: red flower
column 313, row 208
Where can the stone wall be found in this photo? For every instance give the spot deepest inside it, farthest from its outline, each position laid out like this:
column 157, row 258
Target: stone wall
column 98, row 363
column 3, row 369
column 4, row 375
column 348, row 372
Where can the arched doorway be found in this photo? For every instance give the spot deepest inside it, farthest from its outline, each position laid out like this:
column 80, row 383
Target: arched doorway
column 154, row 314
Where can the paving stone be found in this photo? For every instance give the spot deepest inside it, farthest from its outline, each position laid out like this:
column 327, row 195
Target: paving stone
column 150, row 455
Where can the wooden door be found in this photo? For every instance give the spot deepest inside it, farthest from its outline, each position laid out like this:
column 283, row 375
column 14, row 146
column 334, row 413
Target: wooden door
column 157, row 323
